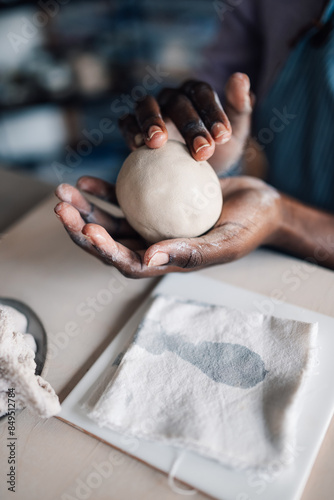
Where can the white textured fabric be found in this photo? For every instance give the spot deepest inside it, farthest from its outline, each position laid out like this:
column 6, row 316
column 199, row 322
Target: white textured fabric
column 211, row 379
column 20, row 325
column 20, row 322
column 17, row 370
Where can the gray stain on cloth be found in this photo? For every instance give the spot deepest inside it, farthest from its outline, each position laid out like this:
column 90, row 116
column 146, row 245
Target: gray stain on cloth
column 231, row 364
column 118, row 359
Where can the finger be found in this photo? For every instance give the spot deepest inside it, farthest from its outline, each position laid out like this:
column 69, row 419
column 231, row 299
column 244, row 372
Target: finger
column 76, row 228
column 209, row 108
column 119, row 227
column 239, row 105
column 73, row 223
column 151, row 123
column 180, row 110
column 99, row 188
column 111, row 252
column 217, row 246
column 183, row 253
column 127, row 261
column 131, row 132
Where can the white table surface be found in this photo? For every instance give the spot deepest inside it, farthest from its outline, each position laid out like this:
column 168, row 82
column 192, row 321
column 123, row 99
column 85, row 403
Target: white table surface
column 42, row 267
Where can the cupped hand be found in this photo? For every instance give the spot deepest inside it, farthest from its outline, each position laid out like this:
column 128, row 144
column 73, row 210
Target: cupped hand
column 202, row 122
column 251, row 217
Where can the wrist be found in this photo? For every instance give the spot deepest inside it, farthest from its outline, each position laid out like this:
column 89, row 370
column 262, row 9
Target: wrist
column 303, row 231
column 278, row 232
column 283, row 234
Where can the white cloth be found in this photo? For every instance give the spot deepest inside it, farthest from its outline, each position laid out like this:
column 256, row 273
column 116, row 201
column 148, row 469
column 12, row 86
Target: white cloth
column 17, row 370
column 20, row 325
column 214, row 380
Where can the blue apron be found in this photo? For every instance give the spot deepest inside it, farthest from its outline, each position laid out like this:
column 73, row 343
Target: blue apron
column 295, row 122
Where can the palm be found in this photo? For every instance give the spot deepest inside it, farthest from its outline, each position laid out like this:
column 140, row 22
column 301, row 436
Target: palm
column 247, row 220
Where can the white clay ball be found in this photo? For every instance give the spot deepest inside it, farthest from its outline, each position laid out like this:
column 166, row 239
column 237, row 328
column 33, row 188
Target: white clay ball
column 164, row 193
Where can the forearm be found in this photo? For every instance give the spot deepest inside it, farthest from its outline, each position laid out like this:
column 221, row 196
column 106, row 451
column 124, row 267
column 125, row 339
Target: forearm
column 306, row 232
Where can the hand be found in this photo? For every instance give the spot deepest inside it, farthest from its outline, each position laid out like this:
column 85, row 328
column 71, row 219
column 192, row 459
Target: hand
column 196, row 112
column 251, row 217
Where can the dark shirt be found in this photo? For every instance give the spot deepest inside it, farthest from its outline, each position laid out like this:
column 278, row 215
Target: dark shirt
column 256, row 38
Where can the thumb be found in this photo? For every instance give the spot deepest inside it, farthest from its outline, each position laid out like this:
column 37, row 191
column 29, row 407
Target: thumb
column 239, row 105
column 185, row 253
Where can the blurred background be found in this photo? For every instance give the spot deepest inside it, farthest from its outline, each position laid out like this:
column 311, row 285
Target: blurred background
column 70, row 68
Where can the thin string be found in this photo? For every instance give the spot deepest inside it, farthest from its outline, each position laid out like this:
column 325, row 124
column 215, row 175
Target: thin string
column 171, row 477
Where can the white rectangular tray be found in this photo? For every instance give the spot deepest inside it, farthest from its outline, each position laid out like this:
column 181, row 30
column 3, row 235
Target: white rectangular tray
column 208, row 476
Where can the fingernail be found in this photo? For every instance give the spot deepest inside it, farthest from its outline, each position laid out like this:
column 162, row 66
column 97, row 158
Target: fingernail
column 152, row 131
column 159, row 259
column 218, row 131
column 244, row 79
column 200, row 143
column 139, row 140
